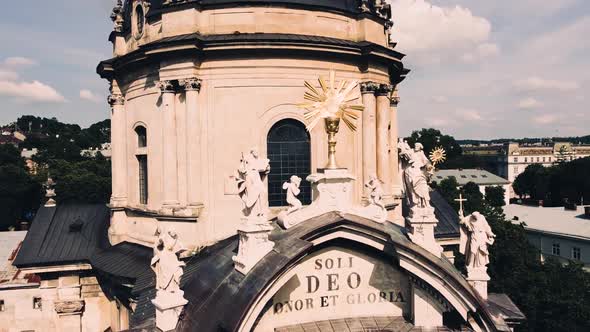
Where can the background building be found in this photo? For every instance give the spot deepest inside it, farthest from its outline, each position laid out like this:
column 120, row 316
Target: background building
column 480, row 177
column 511, row 159
column 557, row 232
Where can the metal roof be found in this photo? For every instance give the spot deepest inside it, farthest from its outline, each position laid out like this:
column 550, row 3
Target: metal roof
column 66, row 234
column 464, row 176
column 551, row 220
column 448, row 218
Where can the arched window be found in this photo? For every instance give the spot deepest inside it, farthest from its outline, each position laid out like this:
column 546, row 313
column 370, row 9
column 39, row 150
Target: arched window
column 289, row 151
column 142, row 161
column 141, row 136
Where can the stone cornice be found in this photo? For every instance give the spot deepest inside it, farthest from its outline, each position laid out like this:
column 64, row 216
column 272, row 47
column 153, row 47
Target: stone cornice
column 190, row 84
column 384, row 90
column 209, row 46
column 116, row 99
column 165, row 86
column 369, row 87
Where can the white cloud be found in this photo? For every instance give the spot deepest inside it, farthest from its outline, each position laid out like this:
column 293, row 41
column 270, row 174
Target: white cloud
column 34, row 91
column 440, row 99
column 468, row 114
column 86, row 94
column 18, row 62
column 545, row 119
column 529, row 103
column 423, row 27
column 536, row 83
column 482, row 51
column 8, row 75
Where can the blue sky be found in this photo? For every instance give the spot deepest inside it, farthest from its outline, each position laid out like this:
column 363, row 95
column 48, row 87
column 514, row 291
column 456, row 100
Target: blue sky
column 480, row 69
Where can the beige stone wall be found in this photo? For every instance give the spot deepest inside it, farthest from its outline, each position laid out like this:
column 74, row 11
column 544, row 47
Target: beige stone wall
column 239, row 101
column 19, row 315
column 255, row 20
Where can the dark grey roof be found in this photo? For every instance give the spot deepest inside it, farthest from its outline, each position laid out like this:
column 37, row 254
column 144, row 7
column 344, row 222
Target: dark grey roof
column 448, row 218
column 343, row 6
column 125, row 260
column 502, row 305
column 68, row 233
column 382, row 324
column 215, row 289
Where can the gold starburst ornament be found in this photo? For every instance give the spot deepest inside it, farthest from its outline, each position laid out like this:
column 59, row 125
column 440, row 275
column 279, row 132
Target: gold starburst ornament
column 437, row 156
column 332, row 102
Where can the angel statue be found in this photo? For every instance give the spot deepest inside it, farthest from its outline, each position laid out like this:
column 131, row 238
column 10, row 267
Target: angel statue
column 250, row 185
column 165, row 263
column 476, row 236
column 416, row 173
column 293, row 190
column 374, row 185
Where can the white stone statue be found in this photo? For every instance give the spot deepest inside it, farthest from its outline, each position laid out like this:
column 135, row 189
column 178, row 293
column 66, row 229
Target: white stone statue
column 250, row 183
column 416, row 171
column 476, row 236
column 375, row 191
column 376, row 209
column 166, row 265
column 293, row 190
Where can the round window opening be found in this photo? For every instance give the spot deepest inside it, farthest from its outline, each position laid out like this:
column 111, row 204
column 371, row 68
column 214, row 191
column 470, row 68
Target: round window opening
column 139, row 21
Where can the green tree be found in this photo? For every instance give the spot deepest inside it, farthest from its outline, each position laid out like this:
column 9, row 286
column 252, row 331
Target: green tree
column 495, row 196
column 19, row 193
column 433, row 138
column 449, row 188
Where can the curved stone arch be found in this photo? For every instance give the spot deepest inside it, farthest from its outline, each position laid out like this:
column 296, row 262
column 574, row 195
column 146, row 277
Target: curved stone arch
column 419, row 263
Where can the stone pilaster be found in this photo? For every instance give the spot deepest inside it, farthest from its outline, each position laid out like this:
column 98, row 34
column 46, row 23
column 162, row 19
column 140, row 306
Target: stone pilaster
column 393, row 149
column 384, row 171
column 119, row 150
column 170, row 148
column 192, row 87
column 368, row 90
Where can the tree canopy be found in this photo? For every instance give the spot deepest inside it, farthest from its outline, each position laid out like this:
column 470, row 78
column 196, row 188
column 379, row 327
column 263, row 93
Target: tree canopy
column 553, row 296
column 556, row 184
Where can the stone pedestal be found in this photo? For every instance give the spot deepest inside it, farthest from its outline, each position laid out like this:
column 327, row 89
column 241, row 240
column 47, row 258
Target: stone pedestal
column 478, row 279
column 254, row 243
column 421, row 223
column 168, row 309
column 332, row 191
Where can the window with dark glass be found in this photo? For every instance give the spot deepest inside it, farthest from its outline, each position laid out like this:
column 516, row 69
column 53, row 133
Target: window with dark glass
column 289, row 151
column 139, row 19
column 556, row 249
column 576, row 253
column 37, row 304
column 2, row 308
column 141, row 136
column 143, row 179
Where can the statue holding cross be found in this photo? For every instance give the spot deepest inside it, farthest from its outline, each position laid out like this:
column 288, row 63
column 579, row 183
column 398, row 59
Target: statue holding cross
column 461, row 200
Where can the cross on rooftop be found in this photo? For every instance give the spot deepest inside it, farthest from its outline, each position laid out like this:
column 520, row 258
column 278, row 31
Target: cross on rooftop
column 461, row 200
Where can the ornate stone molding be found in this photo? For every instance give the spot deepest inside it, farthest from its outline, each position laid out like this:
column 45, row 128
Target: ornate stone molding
column 165, row 86
column 190, row 84
column 384, row 90
column 69, row 307
column 116, row 99
column 394, row 98
column 369, row 87
column 117, row 16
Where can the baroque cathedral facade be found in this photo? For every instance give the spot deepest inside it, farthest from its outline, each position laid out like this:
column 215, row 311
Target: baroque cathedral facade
column 201, row 90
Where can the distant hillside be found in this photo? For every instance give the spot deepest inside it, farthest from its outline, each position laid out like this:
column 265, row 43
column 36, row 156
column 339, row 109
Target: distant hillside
column 575, row 140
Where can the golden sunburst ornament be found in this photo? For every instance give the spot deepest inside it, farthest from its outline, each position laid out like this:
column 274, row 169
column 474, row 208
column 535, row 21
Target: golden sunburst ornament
column 438, row 156
column 331, row 101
